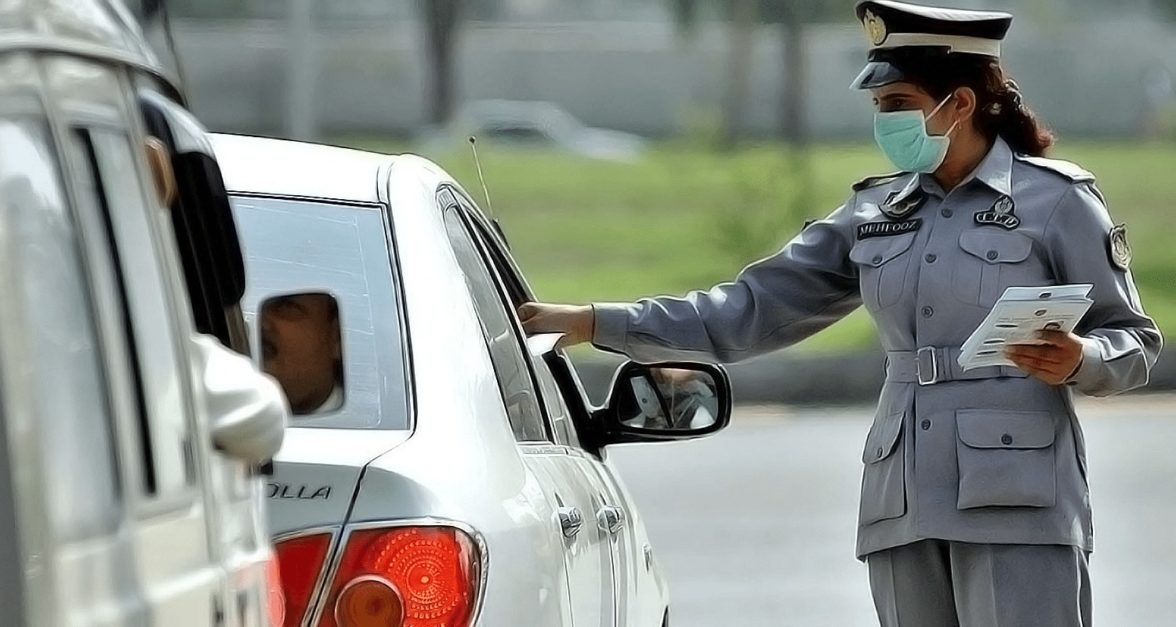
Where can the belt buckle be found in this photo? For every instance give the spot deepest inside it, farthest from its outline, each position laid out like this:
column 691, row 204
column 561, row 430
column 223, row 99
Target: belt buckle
column 927, row 366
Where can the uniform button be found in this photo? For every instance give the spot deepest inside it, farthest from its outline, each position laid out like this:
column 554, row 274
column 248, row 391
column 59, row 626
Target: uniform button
column 877, row 258
column 880, row 451
column 947, row 213
column 991, row 255
column 926, row 425
column 1006, row 439
column 928, row 312
column 930, row 257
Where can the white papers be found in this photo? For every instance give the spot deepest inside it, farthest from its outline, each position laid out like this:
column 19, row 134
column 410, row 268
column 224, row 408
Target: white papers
column 1017, row 318
column 543, row 343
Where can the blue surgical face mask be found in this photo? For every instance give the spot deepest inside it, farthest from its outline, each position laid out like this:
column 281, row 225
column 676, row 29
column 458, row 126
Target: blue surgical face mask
column 903, row 138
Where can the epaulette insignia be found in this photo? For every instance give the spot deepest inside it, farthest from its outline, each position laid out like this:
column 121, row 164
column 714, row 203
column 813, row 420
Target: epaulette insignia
column 874, row 181
column 1071, row 171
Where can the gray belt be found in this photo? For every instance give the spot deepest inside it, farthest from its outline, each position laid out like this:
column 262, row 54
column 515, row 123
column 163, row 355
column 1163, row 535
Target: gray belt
column 936, row 364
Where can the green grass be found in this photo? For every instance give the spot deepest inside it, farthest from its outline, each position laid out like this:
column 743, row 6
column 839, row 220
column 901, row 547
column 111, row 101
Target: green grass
column 684, row 217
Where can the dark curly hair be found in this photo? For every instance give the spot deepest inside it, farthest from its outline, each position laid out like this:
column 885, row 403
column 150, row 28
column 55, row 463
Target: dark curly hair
column 1000, row 106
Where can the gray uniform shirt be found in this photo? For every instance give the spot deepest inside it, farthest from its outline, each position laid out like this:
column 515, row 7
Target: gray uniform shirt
column 986, row 456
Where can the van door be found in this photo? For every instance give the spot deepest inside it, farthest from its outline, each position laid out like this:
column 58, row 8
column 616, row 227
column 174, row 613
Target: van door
column 68, row 500
column 146, row 324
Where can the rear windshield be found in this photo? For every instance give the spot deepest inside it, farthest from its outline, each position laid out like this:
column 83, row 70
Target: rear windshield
column 341, row 251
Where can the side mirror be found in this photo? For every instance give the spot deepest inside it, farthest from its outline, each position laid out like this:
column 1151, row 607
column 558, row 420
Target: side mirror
column 246, row 409
column 666, row 402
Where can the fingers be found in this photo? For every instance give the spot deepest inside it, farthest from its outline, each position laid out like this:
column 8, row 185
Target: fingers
column 1049, row 376
column 1047, row 354
column 527, row 311
column 1049, row 372
column 531, row 317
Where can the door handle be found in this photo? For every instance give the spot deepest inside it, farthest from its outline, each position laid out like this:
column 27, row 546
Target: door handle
column 611, row 519
column 570, row 521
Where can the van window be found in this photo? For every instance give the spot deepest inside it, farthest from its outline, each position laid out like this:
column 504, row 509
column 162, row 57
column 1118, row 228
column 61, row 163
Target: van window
column 73, row 415
column 107, row 171
column 295, row 246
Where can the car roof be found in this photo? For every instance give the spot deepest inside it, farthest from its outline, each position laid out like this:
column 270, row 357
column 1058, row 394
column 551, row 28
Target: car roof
column 277, row 167
column 98, row 28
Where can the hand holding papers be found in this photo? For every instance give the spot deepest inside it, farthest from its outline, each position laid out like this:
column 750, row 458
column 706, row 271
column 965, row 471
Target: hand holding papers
column 1018, row 317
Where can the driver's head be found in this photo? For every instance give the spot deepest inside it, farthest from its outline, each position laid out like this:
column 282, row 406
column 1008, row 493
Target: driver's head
column 302, row 347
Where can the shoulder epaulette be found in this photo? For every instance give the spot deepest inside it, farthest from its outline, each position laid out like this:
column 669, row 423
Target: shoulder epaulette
column 874, row 181
column 1071, row 171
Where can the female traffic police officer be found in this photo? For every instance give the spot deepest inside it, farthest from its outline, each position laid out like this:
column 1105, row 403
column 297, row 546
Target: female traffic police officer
column 974, row 506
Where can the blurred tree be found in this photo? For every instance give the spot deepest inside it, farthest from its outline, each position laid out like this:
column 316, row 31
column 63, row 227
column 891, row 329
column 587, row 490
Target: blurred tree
column 441, row 18
column 792, row 18
column 1166, row 7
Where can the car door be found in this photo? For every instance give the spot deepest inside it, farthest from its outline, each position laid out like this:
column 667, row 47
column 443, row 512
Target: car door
column 164, row 449
column 564, row 402
column 587, row 552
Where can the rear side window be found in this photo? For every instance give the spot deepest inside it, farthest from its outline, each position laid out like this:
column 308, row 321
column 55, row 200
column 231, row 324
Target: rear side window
column 342, row 250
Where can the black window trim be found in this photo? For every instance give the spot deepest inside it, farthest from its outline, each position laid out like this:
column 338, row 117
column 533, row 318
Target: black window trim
column 562, row 370
column 135, row 370
column 500, row 287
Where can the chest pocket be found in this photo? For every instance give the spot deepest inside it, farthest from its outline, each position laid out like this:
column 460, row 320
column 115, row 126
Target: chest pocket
column 992, row 261
column 882, row 268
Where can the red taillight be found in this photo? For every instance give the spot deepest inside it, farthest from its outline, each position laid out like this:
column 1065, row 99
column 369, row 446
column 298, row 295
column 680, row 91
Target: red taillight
column 275, row 601
column 300, row 560
column 404, row 577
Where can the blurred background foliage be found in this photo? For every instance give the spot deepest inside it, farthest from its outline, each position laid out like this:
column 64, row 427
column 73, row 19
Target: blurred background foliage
column 753, row 131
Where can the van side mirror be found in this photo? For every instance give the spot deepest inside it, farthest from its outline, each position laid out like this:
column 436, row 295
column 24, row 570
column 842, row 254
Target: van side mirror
column 246, row 409
column 666, row 402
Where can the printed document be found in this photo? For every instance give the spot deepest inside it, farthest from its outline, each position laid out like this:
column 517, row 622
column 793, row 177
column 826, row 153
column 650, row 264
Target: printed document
column 1017, row 318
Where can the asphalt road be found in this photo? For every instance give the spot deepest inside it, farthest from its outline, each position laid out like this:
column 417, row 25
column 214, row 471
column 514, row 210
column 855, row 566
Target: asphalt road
column 755, row 526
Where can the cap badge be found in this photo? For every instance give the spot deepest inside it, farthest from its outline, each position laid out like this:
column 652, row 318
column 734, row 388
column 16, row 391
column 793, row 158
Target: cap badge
column 875, row 28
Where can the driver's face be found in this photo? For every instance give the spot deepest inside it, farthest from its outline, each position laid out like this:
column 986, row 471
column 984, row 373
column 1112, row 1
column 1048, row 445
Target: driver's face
column 300, row 344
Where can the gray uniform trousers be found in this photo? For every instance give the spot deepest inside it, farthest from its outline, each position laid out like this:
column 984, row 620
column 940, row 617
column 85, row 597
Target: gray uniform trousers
column 935, row 583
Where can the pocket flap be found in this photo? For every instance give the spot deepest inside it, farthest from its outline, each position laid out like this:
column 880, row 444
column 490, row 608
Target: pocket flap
column 876, row 251
column 996, row 247
column 992, row 428
column 883, row 436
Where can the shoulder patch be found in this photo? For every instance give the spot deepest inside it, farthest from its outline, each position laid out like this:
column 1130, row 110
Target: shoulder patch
column 1118, row 247
column 875, row 181
column 1071, row 171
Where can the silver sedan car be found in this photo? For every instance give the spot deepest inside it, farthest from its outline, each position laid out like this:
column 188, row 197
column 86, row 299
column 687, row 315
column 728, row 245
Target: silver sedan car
column 442, row 469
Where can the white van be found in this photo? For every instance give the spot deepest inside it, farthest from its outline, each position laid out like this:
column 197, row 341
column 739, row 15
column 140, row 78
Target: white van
column 130, row 430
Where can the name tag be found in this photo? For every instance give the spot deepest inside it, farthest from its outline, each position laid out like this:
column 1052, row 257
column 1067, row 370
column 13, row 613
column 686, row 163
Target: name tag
column 886, row 229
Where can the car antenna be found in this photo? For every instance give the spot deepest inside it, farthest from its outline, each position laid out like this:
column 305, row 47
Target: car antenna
column 482, row 178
